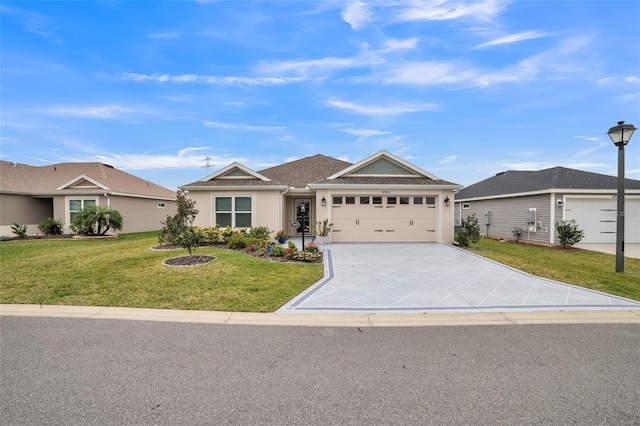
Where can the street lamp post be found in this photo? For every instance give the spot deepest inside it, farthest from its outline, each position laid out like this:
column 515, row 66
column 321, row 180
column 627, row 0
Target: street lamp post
column 303, row 210
column 620, row 136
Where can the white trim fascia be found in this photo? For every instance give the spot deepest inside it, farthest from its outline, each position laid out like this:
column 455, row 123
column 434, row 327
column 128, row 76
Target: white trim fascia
column 79, row 178
column 548, row 191
column 150, row 197
column 379, row 186
column 236, row 165
column 234, row 188
column 392, row 157
column 306, row 190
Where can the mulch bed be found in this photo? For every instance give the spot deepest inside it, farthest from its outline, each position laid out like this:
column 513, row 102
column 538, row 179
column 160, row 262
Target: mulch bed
column 195, row 260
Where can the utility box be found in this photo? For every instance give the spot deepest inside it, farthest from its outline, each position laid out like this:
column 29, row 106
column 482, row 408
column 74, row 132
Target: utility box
column 487, row 217
column 531, row 216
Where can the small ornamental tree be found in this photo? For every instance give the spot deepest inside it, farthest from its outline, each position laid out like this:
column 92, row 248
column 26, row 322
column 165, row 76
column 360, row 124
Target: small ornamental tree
column 179, row 229
column 469, row 231
column 96, row 220
column 569, row 233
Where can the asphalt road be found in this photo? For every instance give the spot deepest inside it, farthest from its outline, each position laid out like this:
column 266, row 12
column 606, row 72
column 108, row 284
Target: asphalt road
column 113, row 372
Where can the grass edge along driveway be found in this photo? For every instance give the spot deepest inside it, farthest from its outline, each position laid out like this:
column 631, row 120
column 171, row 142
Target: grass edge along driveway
column 126, row 272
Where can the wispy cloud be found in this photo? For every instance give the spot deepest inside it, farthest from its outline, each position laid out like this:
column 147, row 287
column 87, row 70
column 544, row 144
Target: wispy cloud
column 209, row 79
column 441, row 10
column 306, row 67
column 448, row 159
column 428, row 73
column 392, row 45
column 235, row 126
column 161, row 161
column 102, row 111
column 592, row 149
column 35, row 23
column 364, row 133
column 190, row 149
column 513, row 38
column 164, row 35
column 357, row 14
column 593, row 138
column 629, row 97
column 387, row 109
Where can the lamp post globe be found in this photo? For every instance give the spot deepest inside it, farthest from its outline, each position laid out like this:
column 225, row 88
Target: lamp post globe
column 620, row 135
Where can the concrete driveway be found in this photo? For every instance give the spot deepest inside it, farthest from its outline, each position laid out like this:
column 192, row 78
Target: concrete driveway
column 427, row 278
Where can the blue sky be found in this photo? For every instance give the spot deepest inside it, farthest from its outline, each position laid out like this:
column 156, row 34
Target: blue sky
column 462, row 89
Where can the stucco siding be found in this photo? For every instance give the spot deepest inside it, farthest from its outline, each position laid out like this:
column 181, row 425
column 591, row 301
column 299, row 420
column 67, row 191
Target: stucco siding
column 141, row 214
column 25, row 210
column 265, row 207
column 509, row 213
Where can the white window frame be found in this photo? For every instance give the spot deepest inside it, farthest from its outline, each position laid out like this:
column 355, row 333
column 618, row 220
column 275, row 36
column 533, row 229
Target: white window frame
column 233, row 211
column 466, row 206
column 82, row 205
column 162, row 205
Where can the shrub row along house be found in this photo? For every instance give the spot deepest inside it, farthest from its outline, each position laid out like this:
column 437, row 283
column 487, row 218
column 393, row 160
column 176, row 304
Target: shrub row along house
column 532, row 202
column 381, row 198
column 30, row 194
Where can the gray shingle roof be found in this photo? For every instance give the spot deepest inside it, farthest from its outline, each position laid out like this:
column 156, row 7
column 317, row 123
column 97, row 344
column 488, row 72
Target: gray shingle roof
column 513, row 182
column 384, row 180
column 294, row 174
column 26, row 179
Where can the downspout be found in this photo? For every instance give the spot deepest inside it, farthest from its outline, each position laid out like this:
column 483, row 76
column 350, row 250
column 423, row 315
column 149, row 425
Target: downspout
column 552, row 225
column 282, row 224
column 108, row 200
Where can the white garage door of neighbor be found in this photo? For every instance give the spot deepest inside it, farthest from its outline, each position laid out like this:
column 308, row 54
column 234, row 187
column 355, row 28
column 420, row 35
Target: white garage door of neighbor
column 597, row 217
column 371, row 218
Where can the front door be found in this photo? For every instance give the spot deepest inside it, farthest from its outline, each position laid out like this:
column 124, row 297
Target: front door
column 303, row 216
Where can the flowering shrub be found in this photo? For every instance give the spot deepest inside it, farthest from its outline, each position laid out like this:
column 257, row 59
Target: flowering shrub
column 289, row 253
column 311, row 247
column 209, row 234
column 307, row 256
column 281, row 234
column 277, row 250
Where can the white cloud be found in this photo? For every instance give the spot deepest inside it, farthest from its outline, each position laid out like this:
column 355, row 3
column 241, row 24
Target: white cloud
column 162, row 161
column 364, row 133
column 235, row 126
column 189, row 149
column 305, row 67
column 632, row 79
column 103, row 111
column 357, row 14
column 592, row 149
column 513, row 38
column 388, row 109
column 439, row 10
column 210, row 79
column 630, row 97
column 448, row 159
column 593, row 138
column 429, row 73
column 391, row 45
column 164, row 35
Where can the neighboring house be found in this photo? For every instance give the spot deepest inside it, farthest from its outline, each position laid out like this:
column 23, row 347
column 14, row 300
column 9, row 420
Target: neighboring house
column 381, row 198
column 534, row 201
column 29, row 194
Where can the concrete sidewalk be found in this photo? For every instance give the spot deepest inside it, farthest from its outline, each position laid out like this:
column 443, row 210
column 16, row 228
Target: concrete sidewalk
column 323, row 320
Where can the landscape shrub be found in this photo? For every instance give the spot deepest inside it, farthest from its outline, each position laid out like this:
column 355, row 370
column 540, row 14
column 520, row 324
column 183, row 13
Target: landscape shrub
column 260, row 233
column 289, row 253
column 209, row 234
column 51, row 226
column 307, row 256
column 569, row 233
column 238, row 241
column 312, row 247
column 96, row 220
column 19, row 230
column 277, row 250
column 469, row 231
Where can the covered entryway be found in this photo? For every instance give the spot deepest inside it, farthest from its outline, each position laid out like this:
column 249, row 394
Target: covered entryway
column 376, row 218
column 597, row 217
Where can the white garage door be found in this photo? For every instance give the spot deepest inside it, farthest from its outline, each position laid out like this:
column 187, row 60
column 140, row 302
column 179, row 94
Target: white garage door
column 371, row 218
column 597, row 217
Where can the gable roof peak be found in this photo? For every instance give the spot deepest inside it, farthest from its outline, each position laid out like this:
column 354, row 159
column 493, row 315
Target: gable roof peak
column 391, row 158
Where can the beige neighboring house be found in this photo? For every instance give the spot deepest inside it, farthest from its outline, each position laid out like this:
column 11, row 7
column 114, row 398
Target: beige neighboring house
column 381, row 198
column 29, row 194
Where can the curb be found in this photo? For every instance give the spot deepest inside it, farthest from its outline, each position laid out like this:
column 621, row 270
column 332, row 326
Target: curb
column 324, row 320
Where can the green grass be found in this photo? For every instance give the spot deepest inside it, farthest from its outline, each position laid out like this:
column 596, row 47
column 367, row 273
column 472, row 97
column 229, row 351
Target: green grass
column 583, row 268
column 126, row 272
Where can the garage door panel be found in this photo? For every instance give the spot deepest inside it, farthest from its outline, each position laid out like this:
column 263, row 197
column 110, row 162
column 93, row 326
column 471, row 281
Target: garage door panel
column 396, row 222
column 597, row 217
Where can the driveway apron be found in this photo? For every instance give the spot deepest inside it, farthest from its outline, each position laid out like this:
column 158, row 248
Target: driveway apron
column 429, row 277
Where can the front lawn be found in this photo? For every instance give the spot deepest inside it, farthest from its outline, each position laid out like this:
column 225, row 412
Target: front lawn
column 126, row 272
column 583, row 268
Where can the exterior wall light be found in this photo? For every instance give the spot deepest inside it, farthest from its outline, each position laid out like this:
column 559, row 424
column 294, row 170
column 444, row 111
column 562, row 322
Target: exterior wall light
column 620, row 136
column 446, row 200
column 324, row 202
